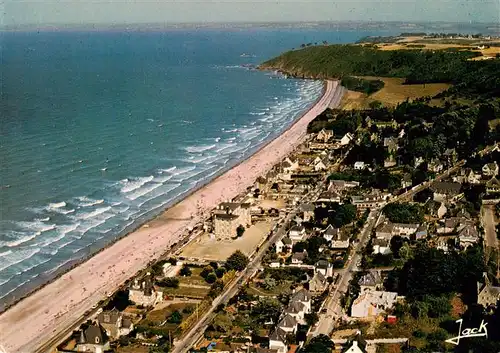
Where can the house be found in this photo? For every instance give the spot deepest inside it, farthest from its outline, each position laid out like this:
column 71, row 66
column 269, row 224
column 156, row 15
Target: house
column 467, row 176
column 297, row 233
column 290, row 165
column 369, row 201
column 324, row 135
column 144, row 293
column 288, row 324
column 391, row 144
column 421, row 232
column 441, row 211
column 341, row 185
column 405, row 229
column 444, row 190
column 450, row 225
column 324, row 267
column 450, row 157
column 487, row 295
column 468, row 236
column 298, row 258
column 284, row 245
column 308, row 210
column 340, row 240
column 319, row 166
column 92, row 339
column 295, row 310
column 371, row 281
column 384, row 230
column 381, row 246
column 346, row 139
column 318, row 283
column 359, row 165
column 373, row 303
column 329, row 197
column 418, row 161
column 277, row 340
column 356, row 345
column 435, row 166
column 114, row 323
column 406, row 181
column 490, row 169
column 304, row 297
column 228, row 216
column 330, row 232
column 260, row 183
column 493, row 186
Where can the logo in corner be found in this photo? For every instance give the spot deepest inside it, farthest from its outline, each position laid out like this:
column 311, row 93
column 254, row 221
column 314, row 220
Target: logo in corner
column 480, row 331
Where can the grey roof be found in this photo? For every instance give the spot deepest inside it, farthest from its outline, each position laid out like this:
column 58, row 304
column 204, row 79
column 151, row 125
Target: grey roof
column 297, row 228
column 288, row 321
column 278, row 335
column 93, row 334
column 323, row 264
column 386, row 227
column 286, row 240
column 301, row 296
column 299, row 256
column 469, row 231
column 372, row 278
column 294, row 307
column 330, row 230
column 380, row 242
column 109, row 316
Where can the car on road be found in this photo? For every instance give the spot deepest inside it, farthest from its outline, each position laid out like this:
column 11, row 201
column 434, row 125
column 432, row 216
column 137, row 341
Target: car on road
column 324, row 310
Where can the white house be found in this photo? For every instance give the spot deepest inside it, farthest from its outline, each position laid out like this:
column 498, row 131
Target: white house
column 284, row 244
column 329, row 197
column 354, row 347
column 144, row 293
column 340, row 241
column 490, row 169
column 308, row 210
column 373, row 303
column 381, row 246
column 324, row 267
column 304, row 297
column 468, row 236
column 298, row 258
column 296, row 310
column 371, row 281
column 330, row 232
column 405, row 229
column 324, row 135
column 290, row 165
column 346, row 139
column 297, row 233
column 277, row 340
column 288, row 324
column 319, row 166
column 359, row 165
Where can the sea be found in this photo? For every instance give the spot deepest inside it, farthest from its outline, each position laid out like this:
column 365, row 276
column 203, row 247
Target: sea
column 101, row 130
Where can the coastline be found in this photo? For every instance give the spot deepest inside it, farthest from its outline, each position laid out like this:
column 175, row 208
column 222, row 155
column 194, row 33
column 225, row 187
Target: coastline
column 44, row 279
column 25, row 325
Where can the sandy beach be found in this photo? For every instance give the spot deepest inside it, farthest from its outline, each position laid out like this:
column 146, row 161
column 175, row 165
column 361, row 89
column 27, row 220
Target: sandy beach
column 47, row 312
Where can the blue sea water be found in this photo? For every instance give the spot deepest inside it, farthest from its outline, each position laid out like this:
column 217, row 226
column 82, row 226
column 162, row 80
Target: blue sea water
column 102, row 130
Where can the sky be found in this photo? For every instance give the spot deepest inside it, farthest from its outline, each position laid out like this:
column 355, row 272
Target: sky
column 39, row 12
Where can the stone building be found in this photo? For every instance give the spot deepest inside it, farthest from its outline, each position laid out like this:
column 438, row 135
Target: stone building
column 144, row 293
column 228, row 216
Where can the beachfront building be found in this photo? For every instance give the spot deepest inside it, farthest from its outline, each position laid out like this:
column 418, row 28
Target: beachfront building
column 92, row 339
column 144, row 293
column 115, row 324
column 228, row 216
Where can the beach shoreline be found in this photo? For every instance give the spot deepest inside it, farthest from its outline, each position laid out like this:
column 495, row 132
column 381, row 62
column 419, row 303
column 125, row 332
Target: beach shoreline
column 34, row 319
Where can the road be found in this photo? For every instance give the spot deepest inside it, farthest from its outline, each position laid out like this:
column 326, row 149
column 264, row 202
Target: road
column 489, row 223
column 332, row 305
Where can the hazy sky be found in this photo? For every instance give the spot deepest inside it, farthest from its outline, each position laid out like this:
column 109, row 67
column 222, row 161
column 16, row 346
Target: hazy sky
column 18, row 12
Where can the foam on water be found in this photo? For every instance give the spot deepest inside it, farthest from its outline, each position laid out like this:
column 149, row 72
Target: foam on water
column 131, row 185
column 84, row 201
column 200, row 148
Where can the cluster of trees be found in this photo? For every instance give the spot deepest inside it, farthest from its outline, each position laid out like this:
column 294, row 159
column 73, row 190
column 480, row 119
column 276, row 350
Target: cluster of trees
column 340, row 121
column 212, row 272
column 335, row 214
column 237, row 261
column 361, row 84
column 404, row 212
column 312, row 246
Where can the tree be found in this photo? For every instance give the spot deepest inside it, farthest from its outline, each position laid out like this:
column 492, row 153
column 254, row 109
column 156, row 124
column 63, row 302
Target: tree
column 170, row 282
column 396, row 244
column 405, row 252
column 267, row 309
column 404, row 213
column 423, row 196
column 214, row 264
column 311, row 318
column 222, row 322
column 185, row 271
column 319, row 344
column 239, row 231
column 220, row 272
column 269, row 283
column 206, row 271
column 175, row 317
column 211, row 278
column 237, row 261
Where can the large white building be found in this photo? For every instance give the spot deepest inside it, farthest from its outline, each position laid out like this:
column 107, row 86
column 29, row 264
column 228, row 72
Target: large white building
column 373, row 303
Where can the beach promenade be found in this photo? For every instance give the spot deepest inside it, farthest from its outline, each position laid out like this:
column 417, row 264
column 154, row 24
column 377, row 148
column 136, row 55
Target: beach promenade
column 57, row 306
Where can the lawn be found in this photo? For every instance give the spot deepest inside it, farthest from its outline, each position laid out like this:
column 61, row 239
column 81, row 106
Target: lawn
column 282, row 288
column 190, row 292
column 194, row 279
column 393, row 92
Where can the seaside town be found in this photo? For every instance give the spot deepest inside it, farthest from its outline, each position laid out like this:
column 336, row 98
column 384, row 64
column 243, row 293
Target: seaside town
column 378, row 233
